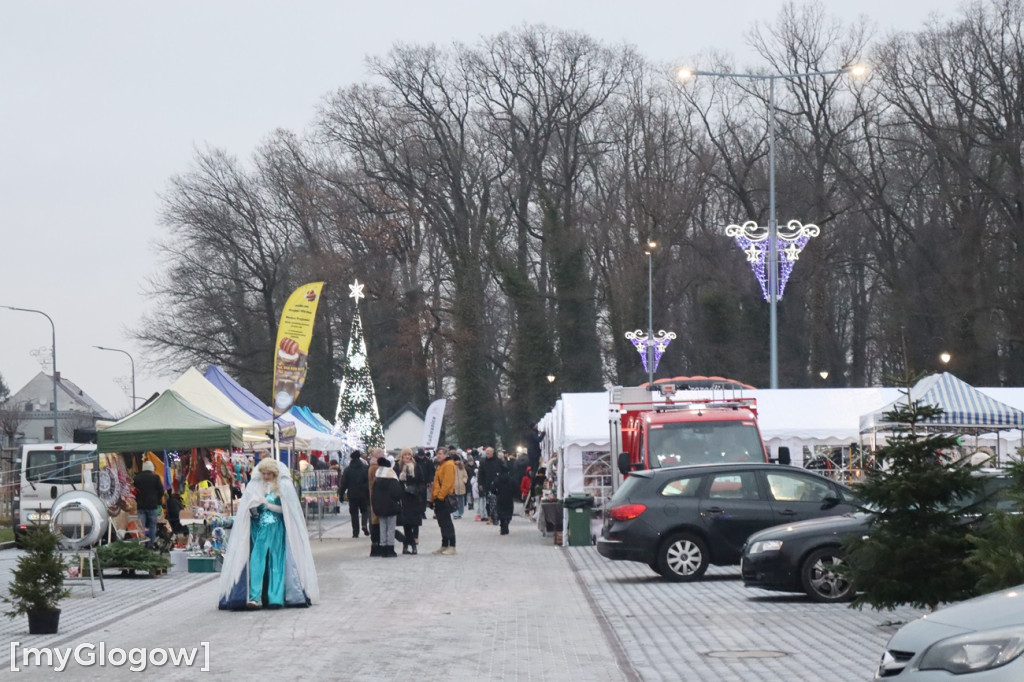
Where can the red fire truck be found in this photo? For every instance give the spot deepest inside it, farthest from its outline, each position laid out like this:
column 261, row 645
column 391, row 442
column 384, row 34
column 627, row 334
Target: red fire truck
column 686, row 420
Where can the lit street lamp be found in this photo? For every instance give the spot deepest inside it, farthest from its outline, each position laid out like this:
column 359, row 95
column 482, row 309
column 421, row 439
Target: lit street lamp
column 53, row 331
column 118, row 350
column 773, row 228
column 651, row 246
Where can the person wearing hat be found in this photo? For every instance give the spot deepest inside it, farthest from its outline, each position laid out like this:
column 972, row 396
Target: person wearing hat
column 356, row 480
column 149, row 493
column 386, row 500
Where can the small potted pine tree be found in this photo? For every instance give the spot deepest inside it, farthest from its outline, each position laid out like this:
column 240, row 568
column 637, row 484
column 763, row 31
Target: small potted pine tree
column 38, row 583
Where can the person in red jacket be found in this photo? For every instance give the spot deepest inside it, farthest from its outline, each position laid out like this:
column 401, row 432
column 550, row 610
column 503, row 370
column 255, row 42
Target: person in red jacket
column 524, row 484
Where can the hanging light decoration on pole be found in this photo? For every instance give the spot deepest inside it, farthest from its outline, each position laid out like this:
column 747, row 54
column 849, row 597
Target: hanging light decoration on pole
column 650, row 347
column 778, row 266
column 790, row 241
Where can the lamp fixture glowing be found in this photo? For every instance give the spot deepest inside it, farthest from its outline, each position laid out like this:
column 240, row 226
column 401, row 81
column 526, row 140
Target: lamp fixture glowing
column 551, row 378
column 823, row 374
column 945, row 357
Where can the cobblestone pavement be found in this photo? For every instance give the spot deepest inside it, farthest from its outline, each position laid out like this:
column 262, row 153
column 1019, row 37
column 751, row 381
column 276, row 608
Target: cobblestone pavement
column 505, row 608
column 716, row 629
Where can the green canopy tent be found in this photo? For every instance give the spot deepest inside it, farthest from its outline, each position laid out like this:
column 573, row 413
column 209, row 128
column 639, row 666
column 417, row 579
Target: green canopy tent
column 169, row 422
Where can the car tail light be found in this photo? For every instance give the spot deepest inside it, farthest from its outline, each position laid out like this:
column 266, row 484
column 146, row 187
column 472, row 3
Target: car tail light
column 627, row 512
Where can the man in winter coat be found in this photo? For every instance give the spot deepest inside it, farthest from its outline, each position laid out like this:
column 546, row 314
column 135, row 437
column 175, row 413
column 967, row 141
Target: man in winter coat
column 356, row 480
column 149, row 493
column 486, row 472
column 428, row 467
column 441, row 493
column 504, row 489
column 534, row 437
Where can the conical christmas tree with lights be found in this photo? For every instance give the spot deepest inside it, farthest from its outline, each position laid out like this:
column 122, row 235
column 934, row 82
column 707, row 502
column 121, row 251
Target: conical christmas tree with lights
column 357, row 419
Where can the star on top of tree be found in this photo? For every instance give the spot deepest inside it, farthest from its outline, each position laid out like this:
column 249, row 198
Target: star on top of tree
column 356, row 290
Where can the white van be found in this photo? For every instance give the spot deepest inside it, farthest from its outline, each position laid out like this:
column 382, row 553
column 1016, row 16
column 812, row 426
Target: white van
column 47, row 470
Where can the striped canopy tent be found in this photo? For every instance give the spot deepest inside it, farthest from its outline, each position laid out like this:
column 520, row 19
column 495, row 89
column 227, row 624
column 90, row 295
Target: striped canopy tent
column 964, row 407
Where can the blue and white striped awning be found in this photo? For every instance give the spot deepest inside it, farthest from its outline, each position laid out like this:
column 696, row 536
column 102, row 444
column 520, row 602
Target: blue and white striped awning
column 963, row 406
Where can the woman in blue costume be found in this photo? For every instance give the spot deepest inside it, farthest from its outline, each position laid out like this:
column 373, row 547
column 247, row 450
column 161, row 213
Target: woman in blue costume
column 268, row 561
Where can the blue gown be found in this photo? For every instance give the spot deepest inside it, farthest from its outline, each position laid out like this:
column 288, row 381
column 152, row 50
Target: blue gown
column 270, row 565
column 267, row 555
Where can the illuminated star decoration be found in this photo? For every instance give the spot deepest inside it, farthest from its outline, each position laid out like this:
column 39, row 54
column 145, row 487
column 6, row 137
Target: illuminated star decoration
column 753, row 241
column 356, row 290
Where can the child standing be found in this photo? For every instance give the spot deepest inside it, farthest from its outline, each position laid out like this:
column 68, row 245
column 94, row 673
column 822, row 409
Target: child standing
column 386, row 500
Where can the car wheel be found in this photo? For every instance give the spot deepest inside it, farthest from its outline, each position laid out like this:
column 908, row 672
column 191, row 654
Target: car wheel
column 683, row 557
column 821, row 580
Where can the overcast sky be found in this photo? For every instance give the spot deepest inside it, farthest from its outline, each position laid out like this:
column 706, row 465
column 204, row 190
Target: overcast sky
column 102, row 102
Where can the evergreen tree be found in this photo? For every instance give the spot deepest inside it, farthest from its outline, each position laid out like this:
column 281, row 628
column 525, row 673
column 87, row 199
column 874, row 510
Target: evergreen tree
column 917, row 541
column 357, row 418
column 998, row 553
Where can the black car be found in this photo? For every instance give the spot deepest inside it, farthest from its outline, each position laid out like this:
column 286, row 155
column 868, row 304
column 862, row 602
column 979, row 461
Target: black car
column 681, row 519
column 804, row 557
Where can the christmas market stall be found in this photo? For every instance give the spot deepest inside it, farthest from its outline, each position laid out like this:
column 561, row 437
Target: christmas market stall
column 192, row 453
column 576, row 455
column 965, row 410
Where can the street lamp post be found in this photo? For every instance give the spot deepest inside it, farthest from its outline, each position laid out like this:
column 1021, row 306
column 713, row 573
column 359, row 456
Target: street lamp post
column 651, row 245
column 53, row 344
column 773, row 227
column 118, row 350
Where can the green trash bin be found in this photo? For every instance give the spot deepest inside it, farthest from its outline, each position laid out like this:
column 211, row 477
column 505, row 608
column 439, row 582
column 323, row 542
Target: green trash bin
column 579, row 507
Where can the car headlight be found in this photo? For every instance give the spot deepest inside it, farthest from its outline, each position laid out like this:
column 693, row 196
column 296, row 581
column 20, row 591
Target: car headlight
column 975, row 651
column 765, row 546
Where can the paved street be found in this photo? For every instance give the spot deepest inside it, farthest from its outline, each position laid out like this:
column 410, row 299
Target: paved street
column 512, row 607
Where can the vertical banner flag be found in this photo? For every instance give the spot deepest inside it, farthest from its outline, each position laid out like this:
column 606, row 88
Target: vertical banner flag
column 432, row 423
column 293, row 336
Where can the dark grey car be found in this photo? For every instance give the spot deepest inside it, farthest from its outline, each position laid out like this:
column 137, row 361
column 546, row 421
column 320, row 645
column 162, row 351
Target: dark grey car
column 680, row 520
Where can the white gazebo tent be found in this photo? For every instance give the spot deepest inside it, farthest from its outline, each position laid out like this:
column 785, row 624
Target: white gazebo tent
column 964, row 409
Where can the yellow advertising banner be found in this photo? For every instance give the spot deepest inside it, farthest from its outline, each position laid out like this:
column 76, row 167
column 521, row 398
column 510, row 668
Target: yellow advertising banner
column 294, row 334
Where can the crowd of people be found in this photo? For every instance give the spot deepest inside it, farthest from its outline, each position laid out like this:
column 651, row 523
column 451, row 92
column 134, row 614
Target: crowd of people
column 269, row 562
column 389, row 496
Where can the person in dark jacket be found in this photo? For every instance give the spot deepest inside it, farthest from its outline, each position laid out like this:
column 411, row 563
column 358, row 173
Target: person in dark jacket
column 414, row 485
column 534, row 437
column 173, row 514
column 356, row 480
column 386, row 500
column 486, row 472
column 505, row 489
column 471, row 474
column 149, row 493
column 428, row 468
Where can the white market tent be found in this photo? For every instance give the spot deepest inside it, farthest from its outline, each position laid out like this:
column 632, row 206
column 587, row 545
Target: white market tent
column 792, row 417
column 965, row 408
column 799, row 417
column 314, row 439
column 576, row 444
column 196, row 389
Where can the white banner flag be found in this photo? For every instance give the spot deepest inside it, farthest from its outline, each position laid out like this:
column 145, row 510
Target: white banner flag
column 432, row 423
